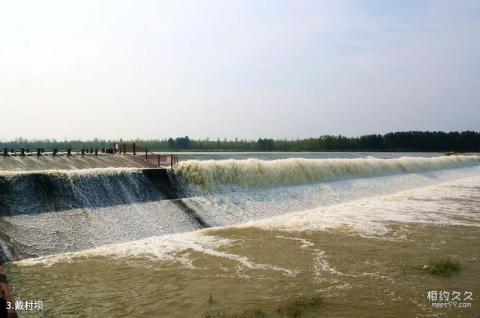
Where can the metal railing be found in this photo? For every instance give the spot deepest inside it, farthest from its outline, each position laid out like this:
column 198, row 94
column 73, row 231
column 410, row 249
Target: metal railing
column 159, row 160
column 156, row 159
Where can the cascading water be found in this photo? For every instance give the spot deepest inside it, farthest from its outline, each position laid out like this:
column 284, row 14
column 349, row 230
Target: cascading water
column 54, row 211
column 56, row 190
column 253, row 173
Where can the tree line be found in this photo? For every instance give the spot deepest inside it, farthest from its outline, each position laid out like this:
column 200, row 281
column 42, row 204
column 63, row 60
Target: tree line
column 465, row 141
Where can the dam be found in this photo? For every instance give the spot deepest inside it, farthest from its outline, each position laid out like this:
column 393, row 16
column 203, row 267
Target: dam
column 68, row 203
column 118, row 156
column 36, row 187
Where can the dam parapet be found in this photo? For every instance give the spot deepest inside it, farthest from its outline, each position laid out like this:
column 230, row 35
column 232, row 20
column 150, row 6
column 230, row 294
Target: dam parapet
column 63, row 159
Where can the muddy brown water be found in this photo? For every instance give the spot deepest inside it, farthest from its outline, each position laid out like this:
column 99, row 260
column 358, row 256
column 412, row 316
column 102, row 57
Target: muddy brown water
column 264, row 270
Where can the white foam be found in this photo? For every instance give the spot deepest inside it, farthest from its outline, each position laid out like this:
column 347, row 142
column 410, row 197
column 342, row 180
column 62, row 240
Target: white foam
column 320, row 263
column 165, row 248
column 253, row 173
column 452, row 203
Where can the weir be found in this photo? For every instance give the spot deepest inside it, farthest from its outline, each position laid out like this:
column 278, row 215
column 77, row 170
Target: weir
column 47, row 191
column 78, row 203
column 55, row 211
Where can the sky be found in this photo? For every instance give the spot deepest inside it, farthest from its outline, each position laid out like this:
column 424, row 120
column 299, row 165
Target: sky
column 237, row 69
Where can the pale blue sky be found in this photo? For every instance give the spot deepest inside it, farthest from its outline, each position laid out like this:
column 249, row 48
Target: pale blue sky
column 247, row 69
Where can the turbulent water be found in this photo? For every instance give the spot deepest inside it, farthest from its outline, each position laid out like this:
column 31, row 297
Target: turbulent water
column 243, row 236
column 253, row 173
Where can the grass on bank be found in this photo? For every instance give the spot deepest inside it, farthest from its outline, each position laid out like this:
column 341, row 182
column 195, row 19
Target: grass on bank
column 443, row 267
column 292, row 308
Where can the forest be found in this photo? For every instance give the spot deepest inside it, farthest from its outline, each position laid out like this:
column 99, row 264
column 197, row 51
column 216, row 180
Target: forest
column 423, row 141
